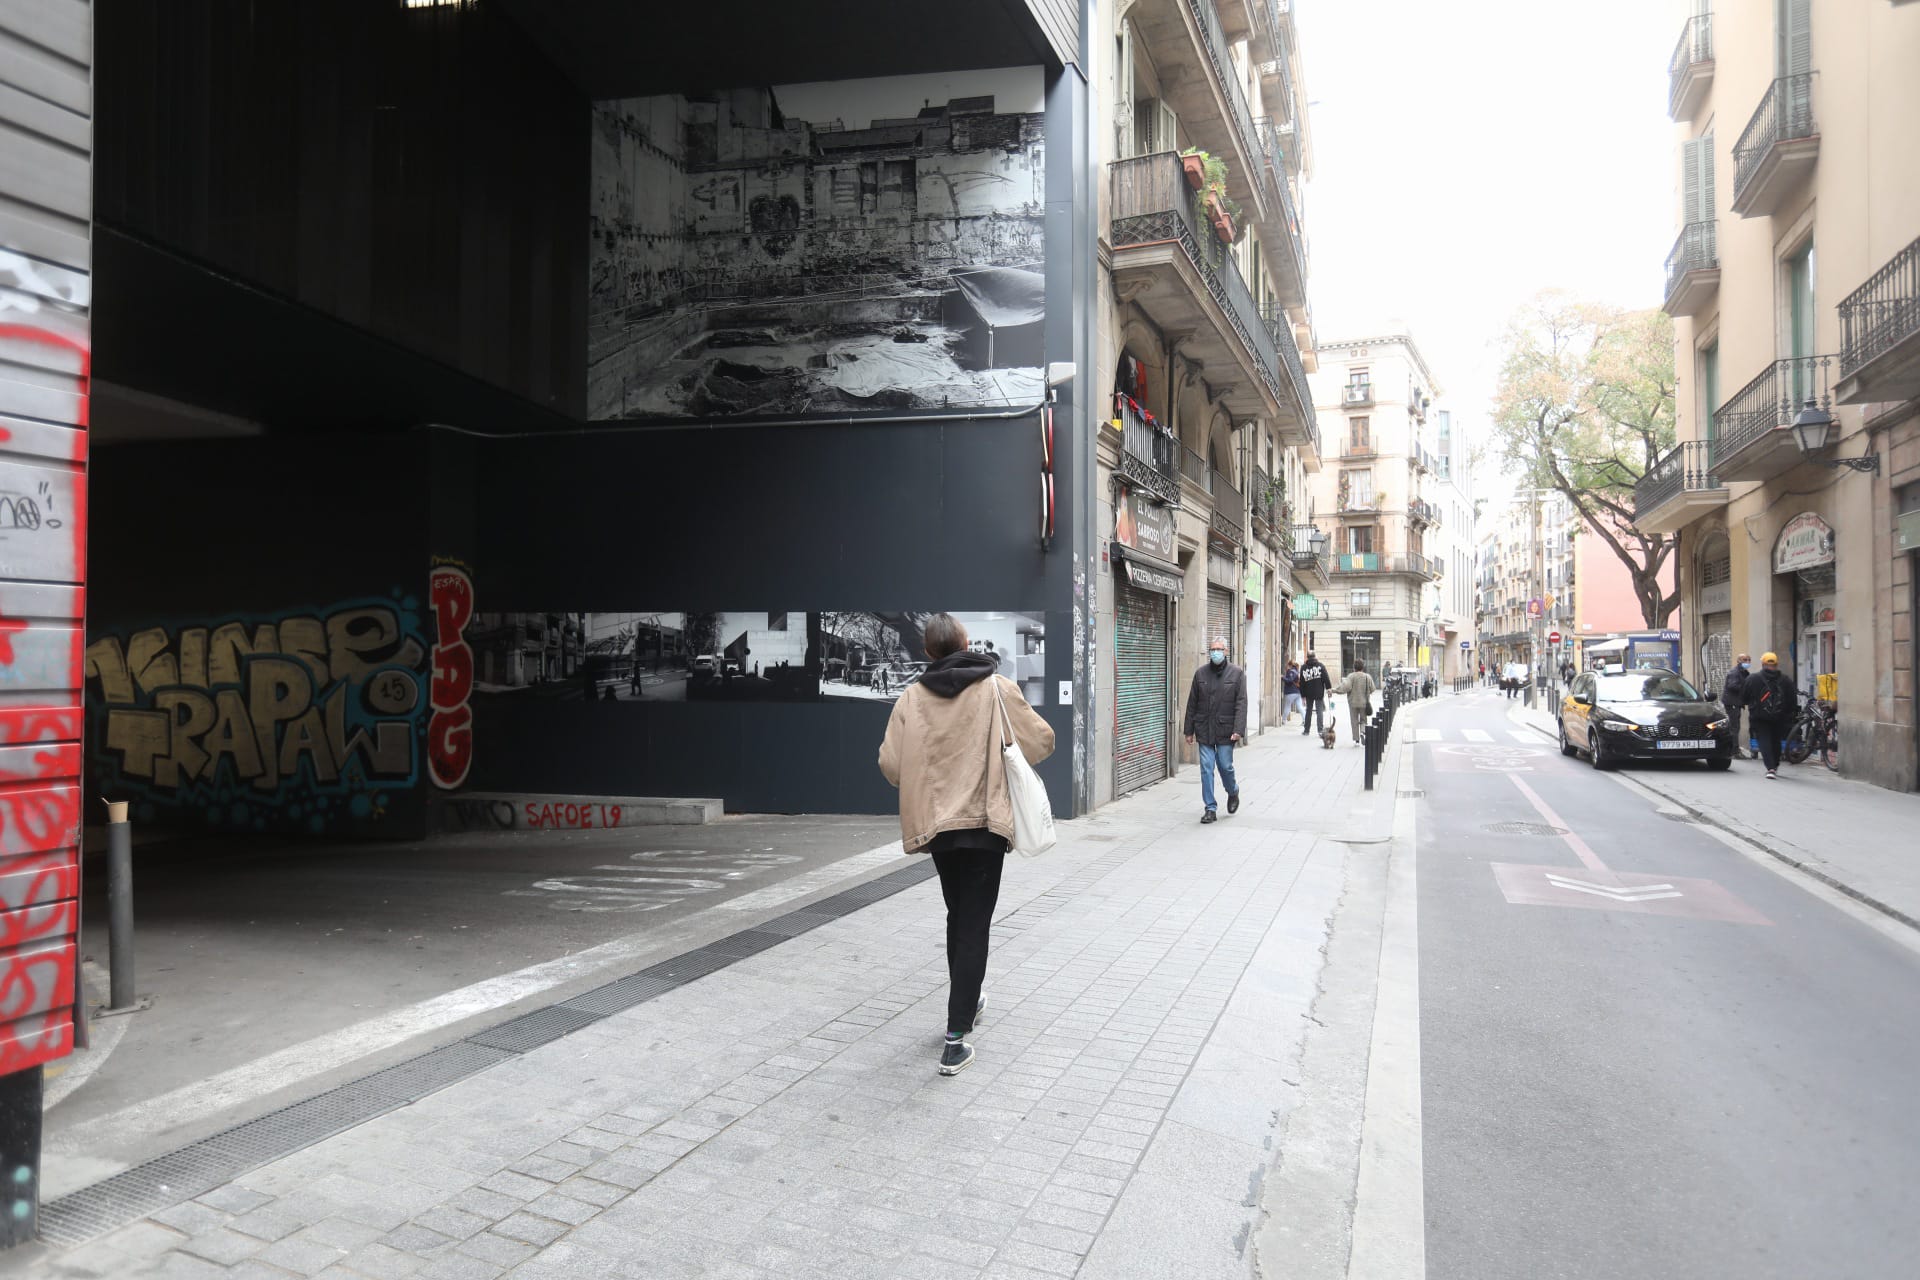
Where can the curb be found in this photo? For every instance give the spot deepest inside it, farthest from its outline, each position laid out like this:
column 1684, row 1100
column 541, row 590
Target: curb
column 1757, row 841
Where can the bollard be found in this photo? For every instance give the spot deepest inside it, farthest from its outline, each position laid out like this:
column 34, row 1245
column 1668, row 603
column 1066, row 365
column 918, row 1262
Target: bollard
column 120, row 907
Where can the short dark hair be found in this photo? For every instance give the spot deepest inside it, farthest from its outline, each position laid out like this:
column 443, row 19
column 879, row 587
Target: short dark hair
column 943, row 635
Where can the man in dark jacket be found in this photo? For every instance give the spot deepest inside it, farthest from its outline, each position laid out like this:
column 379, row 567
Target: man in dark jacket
column 1732, row 697
column 1217, row 720
column 1313, row 691
column 1771, row 703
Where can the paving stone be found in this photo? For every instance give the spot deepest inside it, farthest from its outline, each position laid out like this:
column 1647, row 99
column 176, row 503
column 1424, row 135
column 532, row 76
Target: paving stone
column 592, row 1192
column 414, row 1238
column 497, row 1249
column 530, row 1229
column 301, row 1256
column 234, row 1199
column 382, row 1262
column 563, row 1208
column 192, row 1217
column 268, row 1223
column 456, row 1224
column 223, row 1246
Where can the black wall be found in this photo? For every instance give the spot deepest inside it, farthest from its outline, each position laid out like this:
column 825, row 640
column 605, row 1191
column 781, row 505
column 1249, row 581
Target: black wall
column 928, row 515
column 420, row 174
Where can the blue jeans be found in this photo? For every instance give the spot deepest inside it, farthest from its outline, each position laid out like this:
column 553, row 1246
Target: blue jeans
column 1222, row 757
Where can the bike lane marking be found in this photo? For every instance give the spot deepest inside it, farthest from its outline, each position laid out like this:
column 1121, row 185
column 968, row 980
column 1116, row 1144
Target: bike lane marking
column 1603, row 889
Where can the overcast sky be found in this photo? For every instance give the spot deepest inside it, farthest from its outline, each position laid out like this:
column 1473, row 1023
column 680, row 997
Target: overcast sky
column 1466, row 155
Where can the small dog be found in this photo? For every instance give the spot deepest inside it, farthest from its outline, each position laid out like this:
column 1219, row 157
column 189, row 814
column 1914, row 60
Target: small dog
column 1327, row 734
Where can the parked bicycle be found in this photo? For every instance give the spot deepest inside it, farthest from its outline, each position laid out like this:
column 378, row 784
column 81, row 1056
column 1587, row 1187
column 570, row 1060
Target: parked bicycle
column 1815, row 731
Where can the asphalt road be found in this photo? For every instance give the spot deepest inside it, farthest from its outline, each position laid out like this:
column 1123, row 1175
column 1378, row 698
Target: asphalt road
column 1679, row 1065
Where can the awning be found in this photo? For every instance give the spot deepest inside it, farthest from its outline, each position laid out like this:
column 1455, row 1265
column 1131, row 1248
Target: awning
column 1606, row 646
column 1149, row 574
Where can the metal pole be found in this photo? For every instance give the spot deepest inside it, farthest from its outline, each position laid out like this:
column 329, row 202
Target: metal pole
column 120, row 906
column 21, row 1106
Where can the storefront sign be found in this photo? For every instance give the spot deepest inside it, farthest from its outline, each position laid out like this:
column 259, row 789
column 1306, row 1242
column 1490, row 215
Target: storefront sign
column 1805, row 543
column 1251, row 587
column 1145, row 525
column 1148, row 578
column 1306, row 607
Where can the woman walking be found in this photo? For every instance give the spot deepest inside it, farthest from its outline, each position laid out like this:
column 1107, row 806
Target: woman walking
column 1358, row 686
column 942, row 750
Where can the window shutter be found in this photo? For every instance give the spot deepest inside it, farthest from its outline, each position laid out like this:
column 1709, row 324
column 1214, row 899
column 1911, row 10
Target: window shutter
column 1165, row 128
column 1123, row 92
column 1696, row 183
column 1796, row 37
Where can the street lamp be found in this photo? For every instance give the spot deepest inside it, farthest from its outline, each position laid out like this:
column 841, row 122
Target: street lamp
column 1317, row 541
column 1812, row 427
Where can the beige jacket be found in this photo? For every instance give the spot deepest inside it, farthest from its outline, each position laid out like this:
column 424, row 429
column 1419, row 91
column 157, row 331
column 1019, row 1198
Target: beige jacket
column 944, row 755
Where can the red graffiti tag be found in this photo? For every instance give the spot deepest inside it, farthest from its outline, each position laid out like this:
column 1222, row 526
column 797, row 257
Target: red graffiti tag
column 39, row 788
column 560, row 816
column 450, row 729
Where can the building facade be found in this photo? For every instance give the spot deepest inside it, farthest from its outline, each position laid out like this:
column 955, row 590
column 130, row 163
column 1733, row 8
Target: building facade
column 1795, row 291
column 1454, row 543
column 1527, row 582
column 1382, row 503
column 1204, row 342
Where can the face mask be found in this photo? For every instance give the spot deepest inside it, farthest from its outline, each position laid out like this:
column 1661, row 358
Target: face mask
column 1219, row 656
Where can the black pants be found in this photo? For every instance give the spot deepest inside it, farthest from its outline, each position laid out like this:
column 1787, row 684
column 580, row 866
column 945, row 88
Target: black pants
column 1315, row 706
column 1769, row 732
column 970, row 882
column 1739, row 738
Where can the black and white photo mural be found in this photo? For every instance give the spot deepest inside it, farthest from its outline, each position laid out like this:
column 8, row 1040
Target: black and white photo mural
column 646, row 657
column 818, row 248
column 875, row 656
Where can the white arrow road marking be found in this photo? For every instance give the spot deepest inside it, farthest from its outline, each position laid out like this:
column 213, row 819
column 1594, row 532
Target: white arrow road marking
column 1630, row 893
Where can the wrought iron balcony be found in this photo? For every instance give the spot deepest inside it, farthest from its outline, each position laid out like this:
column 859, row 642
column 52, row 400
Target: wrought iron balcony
column 1693, row 269
column 1752, row 439
column 1677, row 489
column 1358, row 449
column 1306, row 435
column 1310, row 552
column 1149, row 456
column 1880, row 333
column 1194, row 469
column 1229, row 509
column 1690, row 70
column 1776, row 148
column 1154, row 232
column 1423, row 512
column 1288, row 259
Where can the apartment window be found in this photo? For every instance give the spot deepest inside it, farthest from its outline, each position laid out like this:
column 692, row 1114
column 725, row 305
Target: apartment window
column 1798, row 279
column 1360, row 435
column 1710, row 388
column 1361, row 540
column 1360, row 603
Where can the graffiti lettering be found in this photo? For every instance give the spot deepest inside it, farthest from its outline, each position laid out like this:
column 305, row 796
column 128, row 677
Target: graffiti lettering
column 571, row 817
column 450, row 731
column 307, row 702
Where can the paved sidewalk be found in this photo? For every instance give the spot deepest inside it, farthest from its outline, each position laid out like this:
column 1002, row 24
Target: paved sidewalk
column 1854, row 836
column 1151, row 986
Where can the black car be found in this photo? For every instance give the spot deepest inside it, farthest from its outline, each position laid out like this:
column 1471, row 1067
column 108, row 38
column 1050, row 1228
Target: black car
column 1642, row 715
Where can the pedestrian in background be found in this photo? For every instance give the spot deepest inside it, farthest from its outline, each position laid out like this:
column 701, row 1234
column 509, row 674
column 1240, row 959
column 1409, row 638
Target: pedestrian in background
column 1290, row 683
column 1359, row 687
column 1217, row 720
column 1771, row 703
column 943, row 750
column 1733, row 696
column 1313, row 692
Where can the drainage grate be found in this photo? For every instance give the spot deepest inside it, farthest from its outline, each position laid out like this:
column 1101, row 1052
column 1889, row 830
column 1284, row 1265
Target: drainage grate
column 531, row 1030
column 1525, row 829
column 212, row 1162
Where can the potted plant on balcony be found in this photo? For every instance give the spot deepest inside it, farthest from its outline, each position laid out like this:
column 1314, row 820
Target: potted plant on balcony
column 1211, row 205
column 1194, row 162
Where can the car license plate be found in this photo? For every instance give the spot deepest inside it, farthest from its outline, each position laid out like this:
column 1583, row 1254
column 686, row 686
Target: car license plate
column 1685, row 744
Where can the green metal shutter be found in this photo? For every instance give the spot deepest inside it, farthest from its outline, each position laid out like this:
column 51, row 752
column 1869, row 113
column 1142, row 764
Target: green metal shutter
column 1140, row 731
column 1220, row 617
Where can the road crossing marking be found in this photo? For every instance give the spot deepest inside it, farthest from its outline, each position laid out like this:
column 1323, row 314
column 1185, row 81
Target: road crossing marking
column 1426, row 735
column 1476, row 735
column 1524, row 735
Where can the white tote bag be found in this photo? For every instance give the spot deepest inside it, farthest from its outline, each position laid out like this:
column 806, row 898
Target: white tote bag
column 1033, row 832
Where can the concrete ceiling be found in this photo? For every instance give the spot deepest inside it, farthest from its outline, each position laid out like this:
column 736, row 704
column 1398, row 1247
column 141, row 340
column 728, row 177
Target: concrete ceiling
column 623, row 48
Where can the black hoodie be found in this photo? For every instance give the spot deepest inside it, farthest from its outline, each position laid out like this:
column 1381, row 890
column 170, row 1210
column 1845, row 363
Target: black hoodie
column 957, row 672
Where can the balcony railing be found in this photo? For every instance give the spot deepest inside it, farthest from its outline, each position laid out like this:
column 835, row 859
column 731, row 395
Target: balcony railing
column 1274, row 138
column 1697, row 249
column 1882, row 313
column 1695, row 47
column 1766, row 404
column 1357, row 449
column 1422, row 510
column 1357, row 393
column 1229, row 508
column 1149, row 456
column 1280, row 329
column 1195, row 468
column 1207, row 19
column 1785, row 113
column 1152, row 204
column 1687, row 467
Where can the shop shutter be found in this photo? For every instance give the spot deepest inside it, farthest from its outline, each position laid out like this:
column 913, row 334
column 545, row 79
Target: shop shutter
column 1141, row 730
column 1219, row 618
column 1716, row 652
